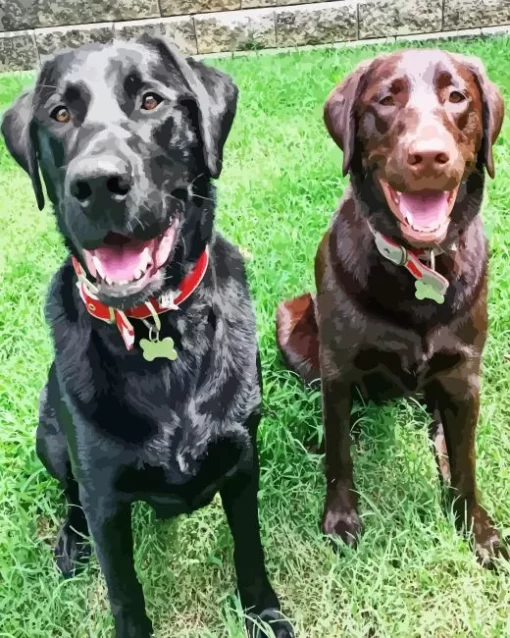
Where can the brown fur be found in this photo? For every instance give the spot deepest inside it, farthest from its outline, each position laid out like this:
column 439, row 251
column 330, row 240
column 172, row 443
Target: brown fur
column 374, row 334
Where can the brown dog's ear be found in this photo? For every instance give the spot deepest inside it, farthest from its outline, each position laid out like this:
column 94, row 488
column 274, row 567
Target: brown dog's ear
column 215, row 95
column 17, row 130
column 493, row 114
column 493, row 108
column 339, row 112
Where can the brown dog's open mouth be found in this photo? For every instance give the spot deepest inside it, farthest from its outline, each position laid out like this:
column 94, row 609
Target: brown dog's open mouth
column 125, row 263
column 424, row 216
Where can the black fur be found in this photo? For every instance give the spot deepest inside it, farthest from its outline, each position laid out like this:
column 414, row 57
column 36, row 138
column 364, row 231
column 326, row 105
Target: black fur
column 113, row 427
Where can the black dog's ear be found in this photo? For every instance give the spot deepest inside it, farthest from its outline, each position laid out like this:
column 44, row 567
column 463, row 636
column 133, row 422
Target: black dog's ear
column 217, row 110
column 215, row 94
column 17, row 129
column 493, row 108
column 339, row 114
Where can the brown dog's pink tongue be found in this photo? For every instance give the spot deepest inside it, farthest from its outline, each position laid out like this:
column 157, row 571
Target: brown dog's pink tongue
column 426, row 209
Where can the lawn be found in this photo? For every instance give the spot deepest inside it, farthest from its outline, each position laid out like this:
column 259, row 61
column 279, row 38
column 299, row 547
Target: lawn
column 411, row 575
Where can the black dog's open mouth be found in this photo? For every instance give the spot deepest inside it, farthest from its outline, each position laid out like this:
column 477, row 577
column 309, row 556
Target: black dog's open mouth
column 423, row 216
column 124, row 264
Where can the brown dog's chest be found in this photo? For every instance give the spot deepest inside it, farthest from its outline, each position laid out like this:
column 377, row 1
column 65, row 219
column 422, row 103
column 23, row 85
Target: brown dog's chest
column 384, row 373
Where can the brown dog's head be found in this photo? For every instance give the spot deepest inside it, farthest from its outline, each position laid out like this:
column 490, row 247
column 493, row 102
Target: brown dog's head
column 419, row 122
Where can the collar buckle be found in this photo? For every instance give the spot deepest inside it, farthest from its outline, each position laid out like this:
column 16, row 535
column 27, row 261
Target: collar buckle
column 429, row 284
column 392, row 251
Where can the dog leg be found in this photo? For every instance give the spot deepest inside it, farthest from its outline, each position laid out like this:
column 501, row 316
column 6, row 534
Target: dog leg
column 297, row 336
column 458, row 402
column 340, row 517
column 239, row 497
column 72, row 550
column 437, row 438
column 110, row 525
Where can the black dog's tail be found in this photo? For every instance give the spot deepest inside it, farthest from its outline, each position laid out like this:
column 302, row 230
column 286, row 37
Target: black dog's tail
column 297, row 335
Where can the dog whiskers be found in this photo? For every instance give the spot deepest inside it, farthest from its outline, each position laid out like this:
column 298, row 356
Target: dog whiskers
column 209, row 199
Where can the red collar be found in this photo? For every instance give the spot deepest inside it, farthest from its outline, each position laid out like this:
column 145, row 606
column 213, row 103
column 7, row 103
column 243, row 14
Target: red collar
column 149, row 309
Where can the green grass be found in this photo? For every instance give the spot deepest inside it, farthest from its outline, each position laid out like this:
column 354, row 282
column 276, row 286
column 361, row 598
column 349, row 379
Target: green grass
column 411, row 575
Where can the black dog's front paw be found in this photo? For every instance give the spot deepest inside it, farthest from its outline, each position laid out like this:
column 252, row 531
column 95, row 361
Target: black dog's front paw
column 140, row 627
column 72, row 551
column 267, row 624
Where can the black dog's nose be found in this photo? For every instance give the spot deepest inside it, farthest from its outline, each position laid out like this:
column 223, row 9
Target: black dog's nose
column 99, row 179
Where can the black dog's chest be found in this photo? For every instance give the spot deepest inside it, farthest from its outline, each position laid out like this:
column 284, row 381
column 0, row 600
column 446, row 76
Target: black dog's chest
column 181, row 486
column 169, row 450
column 389, row 374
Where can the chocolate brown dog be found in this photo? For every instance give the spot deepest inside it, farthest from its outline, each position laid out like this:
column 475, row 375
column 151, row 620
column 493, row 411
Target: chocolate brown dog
column 401, row 274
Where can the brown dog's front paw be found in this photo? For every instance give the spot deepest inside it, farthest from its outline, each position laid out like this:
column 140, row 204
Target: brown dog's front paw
column 490, row 549
column 343, row 524
column 487, row 540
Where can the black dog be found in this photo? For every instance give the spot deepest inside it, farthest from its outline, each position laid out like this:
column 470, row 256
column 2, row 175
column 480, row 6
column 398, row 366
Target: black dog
column 161, row 400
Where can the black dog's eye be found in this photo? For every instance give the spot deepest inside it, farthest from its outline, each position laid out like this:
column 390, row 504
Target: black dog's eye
column 456, row 97
column 387, row 101
column 150, row 101
column 61, row 114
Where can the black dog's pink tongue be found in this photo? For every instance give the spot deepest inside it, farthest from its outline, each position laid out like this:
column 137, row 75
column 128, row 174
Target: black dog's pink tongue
column 425, row 209
column 121, row 258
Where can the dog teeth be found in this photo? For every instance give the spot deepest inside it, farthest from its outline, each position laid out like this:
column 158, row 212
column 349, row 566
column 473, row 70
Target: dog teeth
column 145, row 260
column 125, row 282
column 99, row 266
column 426, row 229
column 408, row 216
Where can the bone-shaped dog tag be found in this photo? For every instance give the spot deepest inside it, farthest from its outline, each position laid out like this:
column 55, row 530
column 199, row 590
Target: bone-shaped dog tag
column 432, row 288
column 154, row 349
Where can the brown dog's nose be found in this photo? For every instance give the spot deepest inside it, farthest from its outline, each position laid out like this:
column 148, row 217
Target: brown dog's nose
column 428, row 155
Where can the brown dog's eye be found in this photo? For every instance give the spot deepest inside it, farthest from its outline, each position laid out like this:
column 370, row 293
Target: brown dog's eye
column 150, row 101
column 456, row 97
column 61, row 114
column 387, row 101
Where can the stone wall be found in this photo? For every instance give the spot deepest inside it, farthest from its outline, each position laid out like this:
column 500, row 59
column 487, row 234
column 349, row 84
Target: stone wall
column 33, row 29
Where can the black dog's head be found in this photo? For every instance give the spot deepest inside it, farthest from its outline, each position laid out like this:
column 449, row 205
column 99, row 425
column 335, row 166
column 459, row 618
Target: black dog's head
column 127, row 137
